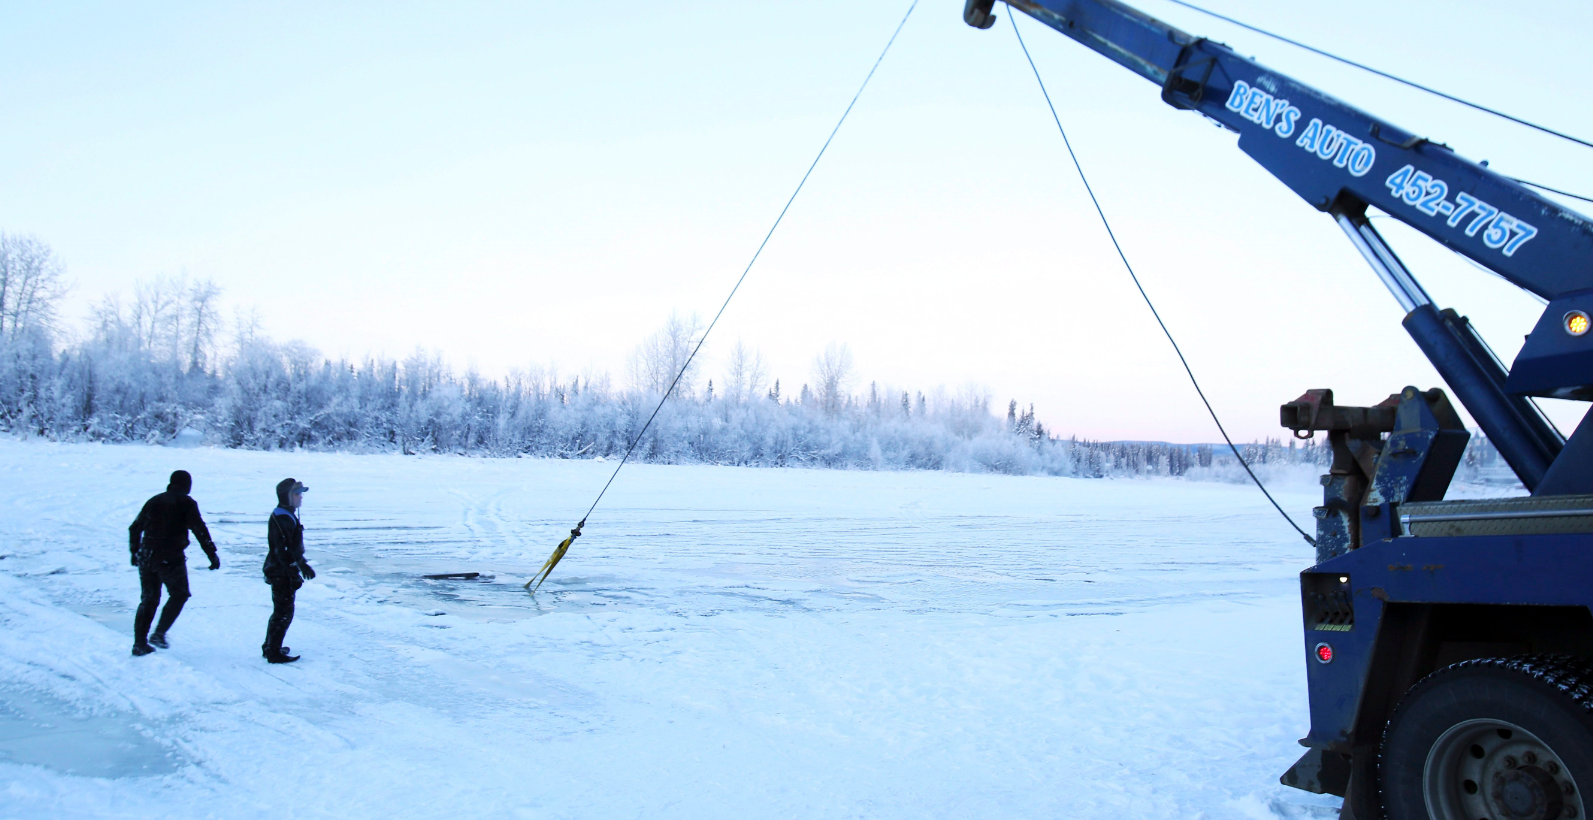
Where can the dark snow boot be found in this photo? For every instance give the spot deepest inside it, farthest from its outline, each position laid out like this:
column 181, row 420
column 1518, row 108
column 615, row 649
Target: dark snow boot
column 169, row 613
column 141, row 649
column 273, row 643
column 158, row 640
column 273, row 650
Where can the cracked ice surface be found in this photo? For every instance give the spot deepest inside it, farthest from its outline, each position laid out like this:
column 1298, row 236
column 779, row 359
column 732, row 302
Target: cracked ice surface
column 723, row 642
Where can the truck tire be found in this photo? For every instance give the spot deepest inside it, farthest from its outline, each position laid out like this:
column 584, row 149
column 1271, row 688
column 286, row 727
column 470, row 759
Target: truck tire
column 1493, row 738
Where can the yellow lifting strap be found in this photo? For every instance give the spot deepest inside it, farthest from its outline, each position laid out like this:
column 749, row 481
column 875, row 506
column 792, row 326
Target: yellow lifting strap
column 554, row 559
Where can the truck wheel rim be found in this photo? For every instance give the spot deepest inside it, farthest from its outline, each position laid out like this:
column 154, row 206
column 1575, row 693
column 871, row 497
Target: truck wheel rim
column 1490, row 768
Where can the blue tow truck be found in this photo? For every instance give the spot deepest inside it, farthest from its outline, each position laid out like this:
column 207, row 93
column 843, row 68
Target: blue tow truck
column 1448, row 644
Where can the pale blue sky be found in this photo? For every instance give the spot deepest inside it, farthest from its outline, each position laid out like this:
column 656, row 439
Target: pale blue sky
column 541, row 183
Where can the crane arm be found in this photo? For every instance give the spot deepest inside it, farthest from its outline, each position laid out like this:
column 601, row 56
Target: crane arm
column 1335, row 156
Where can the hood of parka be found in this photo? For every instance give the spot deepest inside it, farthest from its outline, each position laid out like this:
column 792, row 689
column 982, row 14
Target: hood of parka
column 284, row 487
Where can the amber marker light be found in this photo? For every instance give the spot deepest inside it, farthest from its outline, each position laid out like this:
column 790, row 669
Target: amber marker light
column 1576, row 323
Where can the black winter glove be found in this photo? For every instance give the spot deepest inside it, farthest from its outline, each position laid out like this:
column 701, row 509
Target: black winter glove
column 308, row 573
column 134, row 559
column 215, row 561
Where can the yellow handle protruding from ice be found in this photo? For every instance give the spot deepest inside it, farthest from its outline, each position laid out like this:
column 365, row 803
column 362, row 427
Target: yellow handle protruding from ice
column 554, row 559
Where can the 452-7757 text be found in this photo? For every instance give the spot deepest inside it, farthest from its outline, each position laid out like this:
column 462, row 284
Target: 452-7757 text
column 1499, row 230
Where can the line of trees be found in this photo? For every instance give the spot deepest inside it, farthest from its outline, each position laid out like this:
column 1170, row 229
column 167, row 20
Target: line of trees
column 149, row 367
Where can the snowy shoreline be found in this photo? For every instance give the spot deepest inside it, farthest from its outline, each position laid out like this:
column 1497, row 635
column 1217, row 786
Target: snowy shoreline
column 726, row 642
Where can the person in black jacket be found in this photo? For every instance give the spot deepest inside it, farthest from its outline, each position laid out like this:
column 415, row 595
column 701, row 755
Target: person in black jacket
column 285, row 568
column 158, row 539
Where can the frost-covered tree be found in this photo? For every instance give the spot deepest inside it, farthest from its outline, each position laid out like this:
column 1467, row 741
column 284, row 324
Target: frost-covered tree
column 31, row 284
column 203, row 321
column 156, row 316
column 663, row 354
column 745, row 373
column 832, row 375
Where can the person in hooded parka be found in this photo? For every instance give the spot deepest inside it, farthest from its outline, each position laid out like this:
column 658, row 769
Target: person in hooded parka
column 285, row 568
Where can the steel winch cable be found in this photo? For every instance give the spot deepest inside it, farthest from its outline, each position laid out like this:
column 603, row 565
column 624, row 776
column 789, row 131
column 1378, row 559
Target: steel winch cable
column 1384, row 74
column 1531, row 184
column 1403, row 81
column 564, row 546
column 1106, row 223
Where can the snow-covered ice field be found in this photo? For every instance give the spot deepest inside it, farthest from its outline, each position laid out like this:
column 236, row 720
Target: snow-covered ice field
column 723, row 643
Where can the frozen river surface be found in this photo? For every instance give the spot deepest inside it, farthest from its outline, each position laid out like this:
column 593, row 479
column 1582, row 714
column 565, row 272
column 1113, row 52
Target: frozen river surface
column 723, row 643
